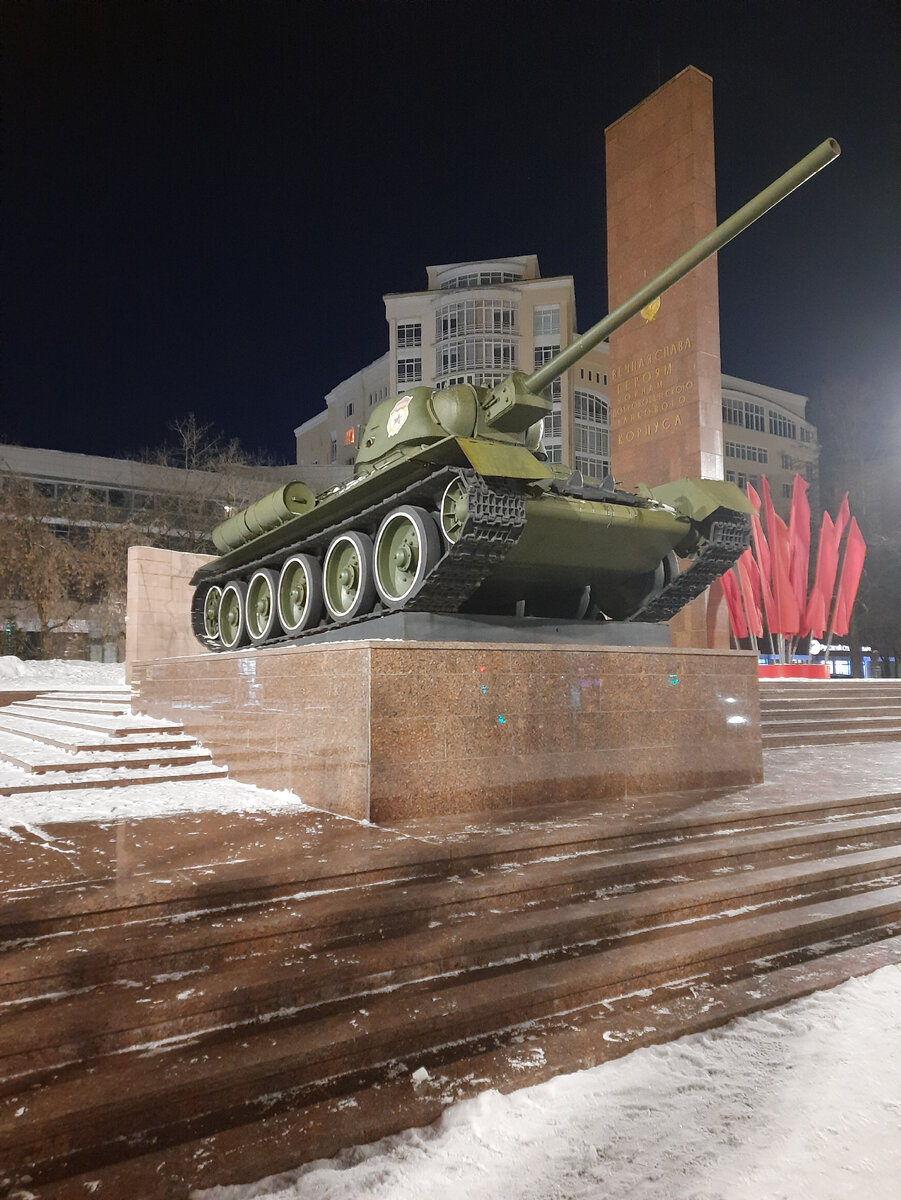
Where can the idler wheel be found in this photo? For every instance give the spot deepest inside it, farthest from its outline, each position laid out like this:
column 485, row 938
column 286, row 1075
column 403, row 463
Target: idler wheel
column 261, row 607
column 211, row 612
column 300, row 593
column 453, row 510
column 407, row 546
column 347, row 584
column 232, row 609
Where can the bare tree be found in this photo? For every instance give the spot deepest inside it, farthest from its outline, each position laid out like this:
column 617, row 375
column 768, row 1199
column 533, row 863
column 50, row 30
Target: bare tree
column 64, row 548
column 40, row 566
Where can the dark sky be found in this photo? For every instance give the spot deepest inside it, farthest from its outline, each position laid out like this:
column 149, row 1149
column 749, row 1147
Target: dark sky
column 204, row 202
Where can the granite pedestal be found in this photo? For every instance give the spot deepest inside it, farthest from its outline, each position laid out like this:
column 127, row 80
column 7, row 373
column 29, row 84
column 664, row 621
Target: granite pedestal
column 386, row 731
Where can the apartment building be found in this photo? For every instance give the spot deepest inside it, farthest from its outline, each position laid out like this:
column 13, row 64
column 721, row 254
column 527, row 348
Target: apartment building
column 765, row 432
column 475, row 322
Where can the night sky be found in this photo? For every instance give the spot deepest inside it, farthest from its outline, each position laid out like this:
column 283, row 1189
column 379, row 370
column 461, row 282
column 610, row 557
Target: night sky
column 204, row 202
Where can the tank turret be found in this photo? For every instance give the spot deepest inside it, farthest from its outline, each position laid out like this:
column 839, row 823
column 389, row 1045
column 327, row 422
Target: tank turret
column 453, row 507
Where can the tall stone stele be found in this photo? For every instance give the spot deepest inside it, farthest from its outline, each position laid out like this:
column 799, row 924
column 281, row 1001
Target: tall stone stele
column 665, row 378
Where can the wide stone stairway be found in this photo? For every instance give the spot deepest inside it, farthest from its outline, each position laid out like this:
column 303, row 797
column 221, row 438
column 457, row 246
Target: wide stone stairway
column 210, row 999
column 65, row 740
column 813, row 713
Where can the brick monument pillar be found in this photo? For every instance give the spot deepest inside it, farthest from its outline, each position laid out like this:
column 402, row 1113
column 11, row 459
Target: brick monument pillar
column 665, row 378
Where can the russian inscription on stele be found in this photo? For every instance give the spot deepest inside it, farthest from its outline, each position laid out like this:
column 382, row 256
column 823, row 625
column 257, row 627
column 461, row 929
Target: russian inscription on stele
column 648, row 391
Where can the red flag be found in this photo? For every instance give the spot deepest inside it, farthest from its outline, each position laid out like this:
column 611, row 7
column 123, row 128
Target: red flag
column 852, row 567
column 752, row 608
column 768, row 509
column 788, row 614
column 762, row 555
column 733, row 605
column 841, row 520
column 815, row 620
column 799, row 541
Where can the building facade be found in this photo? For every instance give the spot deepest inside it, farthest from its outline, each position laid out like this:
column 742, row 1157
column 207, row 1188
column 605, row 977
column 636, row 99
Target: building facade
column 765, row 432
column 478, row 321
column 475, row 323
column 72, row 494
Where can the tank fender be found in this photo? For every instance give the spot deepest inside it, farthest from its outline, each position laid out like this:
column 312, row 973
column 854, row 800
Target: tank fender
column 502, row 459
column 697, row 499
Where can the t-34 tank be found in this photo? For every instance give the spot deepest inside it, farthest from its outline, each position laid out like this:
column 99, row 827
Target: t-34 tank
column 453, row 507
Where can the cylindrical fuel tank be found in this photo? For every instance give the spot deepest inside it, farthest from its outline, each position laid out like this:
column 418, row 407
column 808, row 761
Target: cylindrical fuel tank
column 271, row 511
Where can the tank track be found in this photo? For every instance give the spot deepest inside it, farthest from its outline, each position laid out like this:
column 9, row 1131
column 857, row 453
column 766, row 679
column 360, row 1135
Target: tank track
column 495, row 520
column 727, row 539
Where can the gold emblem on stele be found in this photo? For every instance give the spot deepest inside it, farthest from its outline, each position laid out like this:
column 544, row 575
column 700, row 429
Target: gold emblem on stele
column 649, row 312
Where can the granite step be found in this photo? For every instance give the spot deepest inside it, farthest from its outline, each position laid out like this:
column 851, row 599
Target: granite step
column 830, row 687
column 91, row 708
column 136, row 1102
column 774, row 740
column 367, row 1109
column 849, row 722
column 333, row 915
column 67, row 737
column 112, row 725
column 103, row 779
column 773, row 709
column 20, row 751
column 151, row 1005
column 553, row 859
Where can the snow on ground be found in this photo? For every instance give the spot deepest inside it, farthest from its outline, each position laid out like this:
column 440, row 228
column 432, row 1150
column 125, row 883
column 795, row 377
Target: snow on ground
column 140, row 801
column 119, row 803
column 799, row 1103
column 58, row 673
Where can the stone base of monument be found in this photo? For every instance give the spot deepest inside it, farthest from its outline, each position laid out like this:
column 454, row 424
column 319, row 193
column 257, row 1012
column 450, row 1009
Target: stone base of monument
column 386, row 731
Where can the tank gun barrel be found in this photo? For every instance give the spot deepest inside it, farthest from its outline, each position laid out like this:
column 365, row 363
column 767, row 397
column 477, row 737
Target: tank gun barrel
column 710, row 244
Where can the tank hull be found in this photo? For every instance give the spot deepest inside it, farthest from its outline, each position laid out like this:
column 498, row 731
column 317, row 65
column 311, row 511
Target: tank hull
column 522, row 547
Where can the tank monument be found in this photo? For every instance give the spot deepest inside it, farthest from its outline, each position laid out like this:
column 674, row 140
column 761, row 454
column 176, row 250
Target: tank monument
column 466, row 627
column 468, row 649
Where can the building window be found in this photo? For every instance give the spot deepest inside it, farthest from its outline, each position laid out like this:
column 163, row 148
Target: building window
column 543, row 354
column 478, row 355
column 806, row 434
column 786, row 490
column 744, row 413
column 409, row 335
column 349, row 409
column 748, row 453
column 552, row 429
column 409, row 370
column 591, row 434
column 730, row 477
column 786, row 462
column 475, row 316
column 333, row 450
column 350, row 436
column 781, row 426
column 480, row 279
column 546, row 321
